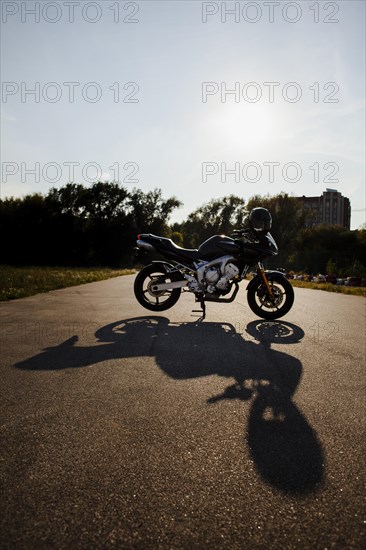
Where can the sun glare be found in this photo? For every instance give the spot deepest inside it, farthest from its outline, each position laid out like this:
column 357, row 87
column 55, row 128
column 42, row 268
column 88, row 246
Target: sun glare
column 237, row 127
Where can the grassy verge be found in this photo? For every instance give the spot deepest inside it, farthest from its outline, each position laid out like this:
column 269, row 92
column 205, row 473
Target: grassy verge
column 355, row 291
column 19, row 282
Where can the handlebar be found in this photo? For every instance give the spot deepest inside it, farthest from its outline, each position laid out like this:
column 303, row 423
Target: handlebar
column 245, row 234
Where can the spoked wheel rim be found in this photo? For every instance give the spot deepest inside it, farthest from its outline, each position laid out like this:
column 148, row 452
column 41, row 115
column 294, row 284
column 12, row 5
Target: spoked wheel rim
column 263, row 301
column 152, row 275
column 152, row 297
column 261, row 304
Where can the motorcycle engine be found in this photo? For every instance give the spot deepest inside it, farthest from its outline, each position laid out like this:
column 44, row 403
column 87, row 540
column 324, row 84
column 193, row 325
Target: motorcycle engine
column 212, row 277
column 230, row 272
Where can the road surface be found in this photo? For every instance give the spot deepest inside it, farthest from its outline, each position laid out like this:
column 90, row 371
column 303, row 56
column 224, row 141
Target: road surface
column 122, row 428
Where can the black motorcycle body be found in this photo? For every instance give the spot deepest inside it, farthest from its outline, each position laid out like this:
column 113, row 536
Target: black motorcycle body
column 212, row 273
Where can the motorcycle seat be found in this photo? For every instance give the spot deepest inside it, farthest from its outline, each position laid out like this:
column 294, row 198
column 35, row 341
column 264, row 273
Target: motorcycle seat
column 188, row 253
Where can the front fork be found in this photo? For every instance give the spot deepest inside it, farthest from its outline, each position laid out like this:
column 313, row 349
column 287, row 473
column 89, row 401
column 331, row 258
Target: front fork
column 265, row 280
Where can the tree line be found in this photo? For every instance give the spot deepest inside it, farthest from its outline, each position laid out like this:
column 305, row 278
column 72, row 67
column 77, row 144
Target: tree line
column 79, row 225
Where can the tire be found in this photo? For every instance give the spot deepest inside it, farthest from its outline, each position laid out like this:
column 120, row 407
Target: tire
column 260, row 303
column 151, row 300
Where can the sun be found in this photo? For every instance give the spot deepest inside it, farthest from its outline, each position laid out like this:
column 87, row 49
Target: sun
column 237, row 127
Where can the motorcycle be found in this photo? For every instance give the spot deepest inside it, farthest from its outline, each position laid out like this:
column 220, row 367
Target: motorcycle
column 214, row 270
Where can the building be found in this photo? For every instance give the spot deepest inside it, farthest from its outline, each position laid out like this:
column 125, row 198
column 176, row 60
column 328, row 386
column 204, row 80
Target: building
column 330, row 209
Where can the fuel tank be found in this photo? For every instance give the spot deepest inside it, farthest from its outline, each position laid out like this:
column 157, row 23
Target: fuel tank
column 216, row 246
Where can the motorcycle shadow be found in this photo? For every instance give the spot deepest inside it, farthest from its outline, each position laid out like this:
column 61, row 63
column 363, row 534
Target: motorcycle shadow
column 284, row 447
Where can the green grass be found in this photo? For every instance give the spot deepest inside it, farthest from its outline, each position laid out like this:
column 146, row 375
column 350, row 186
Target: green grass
column 329, row 287
column 19, row 282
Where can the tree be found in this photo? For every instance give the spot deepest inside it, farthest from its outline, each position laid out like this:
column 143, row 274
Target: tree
column 317, row 244
column 331, row 267
column 217, row 216
column 150, row 212
column 80, row 225
column 288, row 220
column 69, row 199
column 24, row 227
column 105, row 201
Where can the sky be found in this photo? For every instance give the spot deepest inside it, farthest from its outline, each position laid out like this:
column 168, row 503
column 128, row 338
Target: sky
column 199, row 99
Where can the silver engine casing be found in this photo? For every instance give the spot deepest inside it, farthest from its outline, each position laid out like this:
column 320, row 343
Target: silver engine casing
column 215, row 282
column 230, row 272
column 212, row 275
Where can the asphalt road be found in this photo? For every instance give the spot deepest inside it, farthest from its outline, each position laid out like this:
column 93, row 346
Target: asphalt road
column 121, row 428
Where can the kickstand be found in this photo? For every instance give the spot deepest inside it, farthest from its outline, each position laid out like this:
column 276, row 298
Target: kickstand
column 203, row 310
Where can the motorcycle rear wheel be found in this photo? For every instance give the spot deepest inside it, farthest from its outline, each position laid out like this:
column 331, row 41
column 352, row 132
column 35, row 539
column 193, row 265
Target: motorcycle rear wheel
column 155, row 301
column 260, row 303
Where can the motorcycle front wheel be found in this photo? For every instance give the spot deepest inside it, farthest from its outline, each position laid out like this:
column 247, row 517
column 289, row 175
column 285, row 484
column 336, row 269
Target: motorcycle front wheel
column 155, row 301
column 260, row 302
